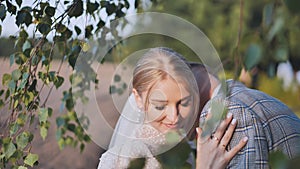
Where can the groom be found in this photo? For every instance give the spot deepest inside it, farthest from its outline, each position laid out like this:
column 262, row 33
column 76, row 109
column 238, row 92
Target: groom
column 269, row 124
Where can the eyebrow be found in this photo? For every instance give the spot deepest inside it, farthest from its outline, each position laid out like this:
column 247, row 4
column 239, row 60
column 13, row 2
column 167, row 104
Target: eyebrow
column 165, row 101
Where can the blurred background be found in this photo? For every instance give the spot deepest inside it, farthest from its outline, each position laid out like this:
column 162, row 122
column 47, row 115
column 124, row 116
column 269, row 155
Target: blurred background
column 257, row 42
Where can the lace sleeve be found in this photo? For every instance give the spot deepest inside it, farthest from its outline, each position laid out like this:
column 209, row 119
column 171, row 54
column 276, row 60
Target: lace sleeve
column 108, row 161
column 120, row 157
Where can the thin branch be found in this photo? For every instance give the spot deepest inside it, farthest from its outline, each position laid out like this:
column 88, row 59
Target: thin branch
column 237, row 57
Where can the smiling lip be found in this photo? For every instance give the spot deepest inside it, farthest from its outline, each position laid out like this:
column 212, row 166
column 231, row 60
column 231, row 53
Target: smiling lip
column 172, row 126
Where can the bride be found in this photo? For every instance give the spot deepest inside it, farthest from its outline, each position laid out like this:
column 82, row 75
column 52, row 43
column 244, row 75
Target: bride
column 164, row 101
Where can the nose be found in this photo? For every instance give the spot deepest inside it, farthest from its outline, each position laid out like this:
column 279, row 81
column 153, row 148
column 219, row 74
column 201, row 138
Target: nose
column 172, row 114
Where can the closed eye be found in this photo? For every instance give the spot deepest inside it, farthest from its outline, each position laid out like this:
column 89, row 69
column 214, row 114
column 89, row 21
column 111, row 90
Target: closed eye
column 160, row 107
column 186, row 102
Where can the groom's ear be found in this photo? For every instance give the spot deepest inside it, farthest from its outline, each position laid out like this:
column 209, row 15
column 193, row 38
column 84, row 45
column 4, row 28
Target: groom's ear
column 138, row 98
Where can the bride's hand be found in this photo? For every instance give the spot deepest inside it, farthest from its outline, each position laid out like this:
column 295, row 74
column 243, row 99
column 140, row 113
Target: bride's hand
column 211, row 150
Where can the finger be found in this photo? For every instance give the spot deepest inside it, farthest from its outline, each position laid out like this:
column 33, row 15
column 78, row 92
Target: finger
column 222, row 127
column 201, row 139
column 237, row 148
column 198, row 131
column 228, row 134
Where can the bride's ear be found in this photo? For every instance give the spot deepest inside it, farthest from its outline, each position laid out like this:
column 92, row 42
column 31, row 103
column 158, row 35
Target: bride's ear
column 138, row 98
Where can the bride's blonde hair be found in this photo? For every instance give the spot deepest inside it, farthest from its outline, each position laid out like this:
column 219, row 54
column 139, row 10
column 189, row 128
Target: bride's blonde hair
column 161, row 63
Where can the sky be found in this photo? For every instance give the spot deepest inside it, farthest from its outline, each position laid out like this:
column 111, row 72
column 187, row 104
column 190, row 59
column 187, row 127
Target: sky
column 10, row 28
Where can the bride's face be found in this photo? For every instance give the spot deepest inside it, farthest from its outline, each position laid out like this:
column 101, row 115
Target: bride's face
column 169, row 105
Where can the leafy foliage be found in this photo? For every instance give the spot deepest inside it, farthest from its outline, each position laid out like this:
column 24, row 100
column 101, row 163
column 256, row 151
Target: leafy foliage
column 261, row 34
column 269, row 35
column 32, row 57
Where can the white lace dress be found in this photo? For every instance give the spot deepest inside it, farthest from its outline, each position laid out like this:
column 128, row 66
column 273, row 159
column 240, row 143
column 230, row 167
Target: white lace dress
column 147, row 142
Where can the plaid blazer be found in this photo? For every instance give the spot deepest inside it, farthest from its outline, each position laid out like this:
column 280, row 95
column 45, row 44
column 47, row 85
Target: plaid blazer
column 269, row 124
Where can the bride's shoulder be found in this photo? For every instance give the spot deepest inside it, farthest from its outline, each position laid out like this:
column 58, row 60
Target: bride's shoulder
column 121, row 156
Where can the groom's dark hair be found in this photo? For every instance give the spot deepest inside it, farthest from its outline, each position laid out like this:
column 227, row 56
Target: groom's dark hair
column 201, row 74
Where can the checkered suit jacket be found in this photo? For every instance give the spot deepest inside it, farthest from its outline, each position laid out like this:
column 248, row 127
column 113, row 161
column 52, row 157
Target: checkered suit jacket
column 269, row 124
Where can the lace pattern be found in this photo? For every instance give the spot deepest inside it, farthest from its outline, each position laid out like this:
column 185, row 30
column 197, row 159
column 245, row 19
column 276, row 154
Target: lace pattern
column 148, row 139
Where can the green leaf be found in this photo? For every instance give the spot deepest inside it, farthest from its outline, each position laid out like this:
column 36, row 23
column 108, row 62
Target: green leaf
column 5, row 79
column 10, row 7
column 2, row 12
column 43, row 115
column 16, row 74
column 58, row 134
column 136, row 3
column 71, row 127
column 88, row 31
column 50, row 111
column 100, row 24
column 86, row 138
column 173, row 137
column 112, row 89
column 175, row 157
column 69, row 140
column 81, row 147
column 16, row 103
column 23, row 34
column 22, row 167
column 120, row 13
column 281, row 54
column 26, row 45
column 14, row 127
column 24, row 80
column 12, row 86
column 78, row 30
column 1, row 103
column 124, row 86
column 271, row 70
column 127, row 5
column 44, row 28
column 60, row 28
column 74, row 54
column 23, row 16
column 69, row 104
column 22, row 140
column 137, row 163
column 277, row 26
column 61, row 143
column 11, row 59
column 110, row 8
column 67, row 34
column 43, row 132
column 31, row 159
column 278, row 160
column 253, row 56
column 32, row 117
column 91, row 7
column 268, row 14
column 19, row 2
column 117, row 78
column 293, row 6
column 9, row 149
column 60, row 121
column 85, row 47
column 50, row 11
column 58, row 81
column 22, row 118
column 7, row 94
column 76, row 9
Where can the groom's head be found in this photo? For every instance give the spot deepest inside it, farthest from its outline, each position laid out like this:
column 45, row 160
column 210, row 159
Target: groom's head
column 202, row 78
